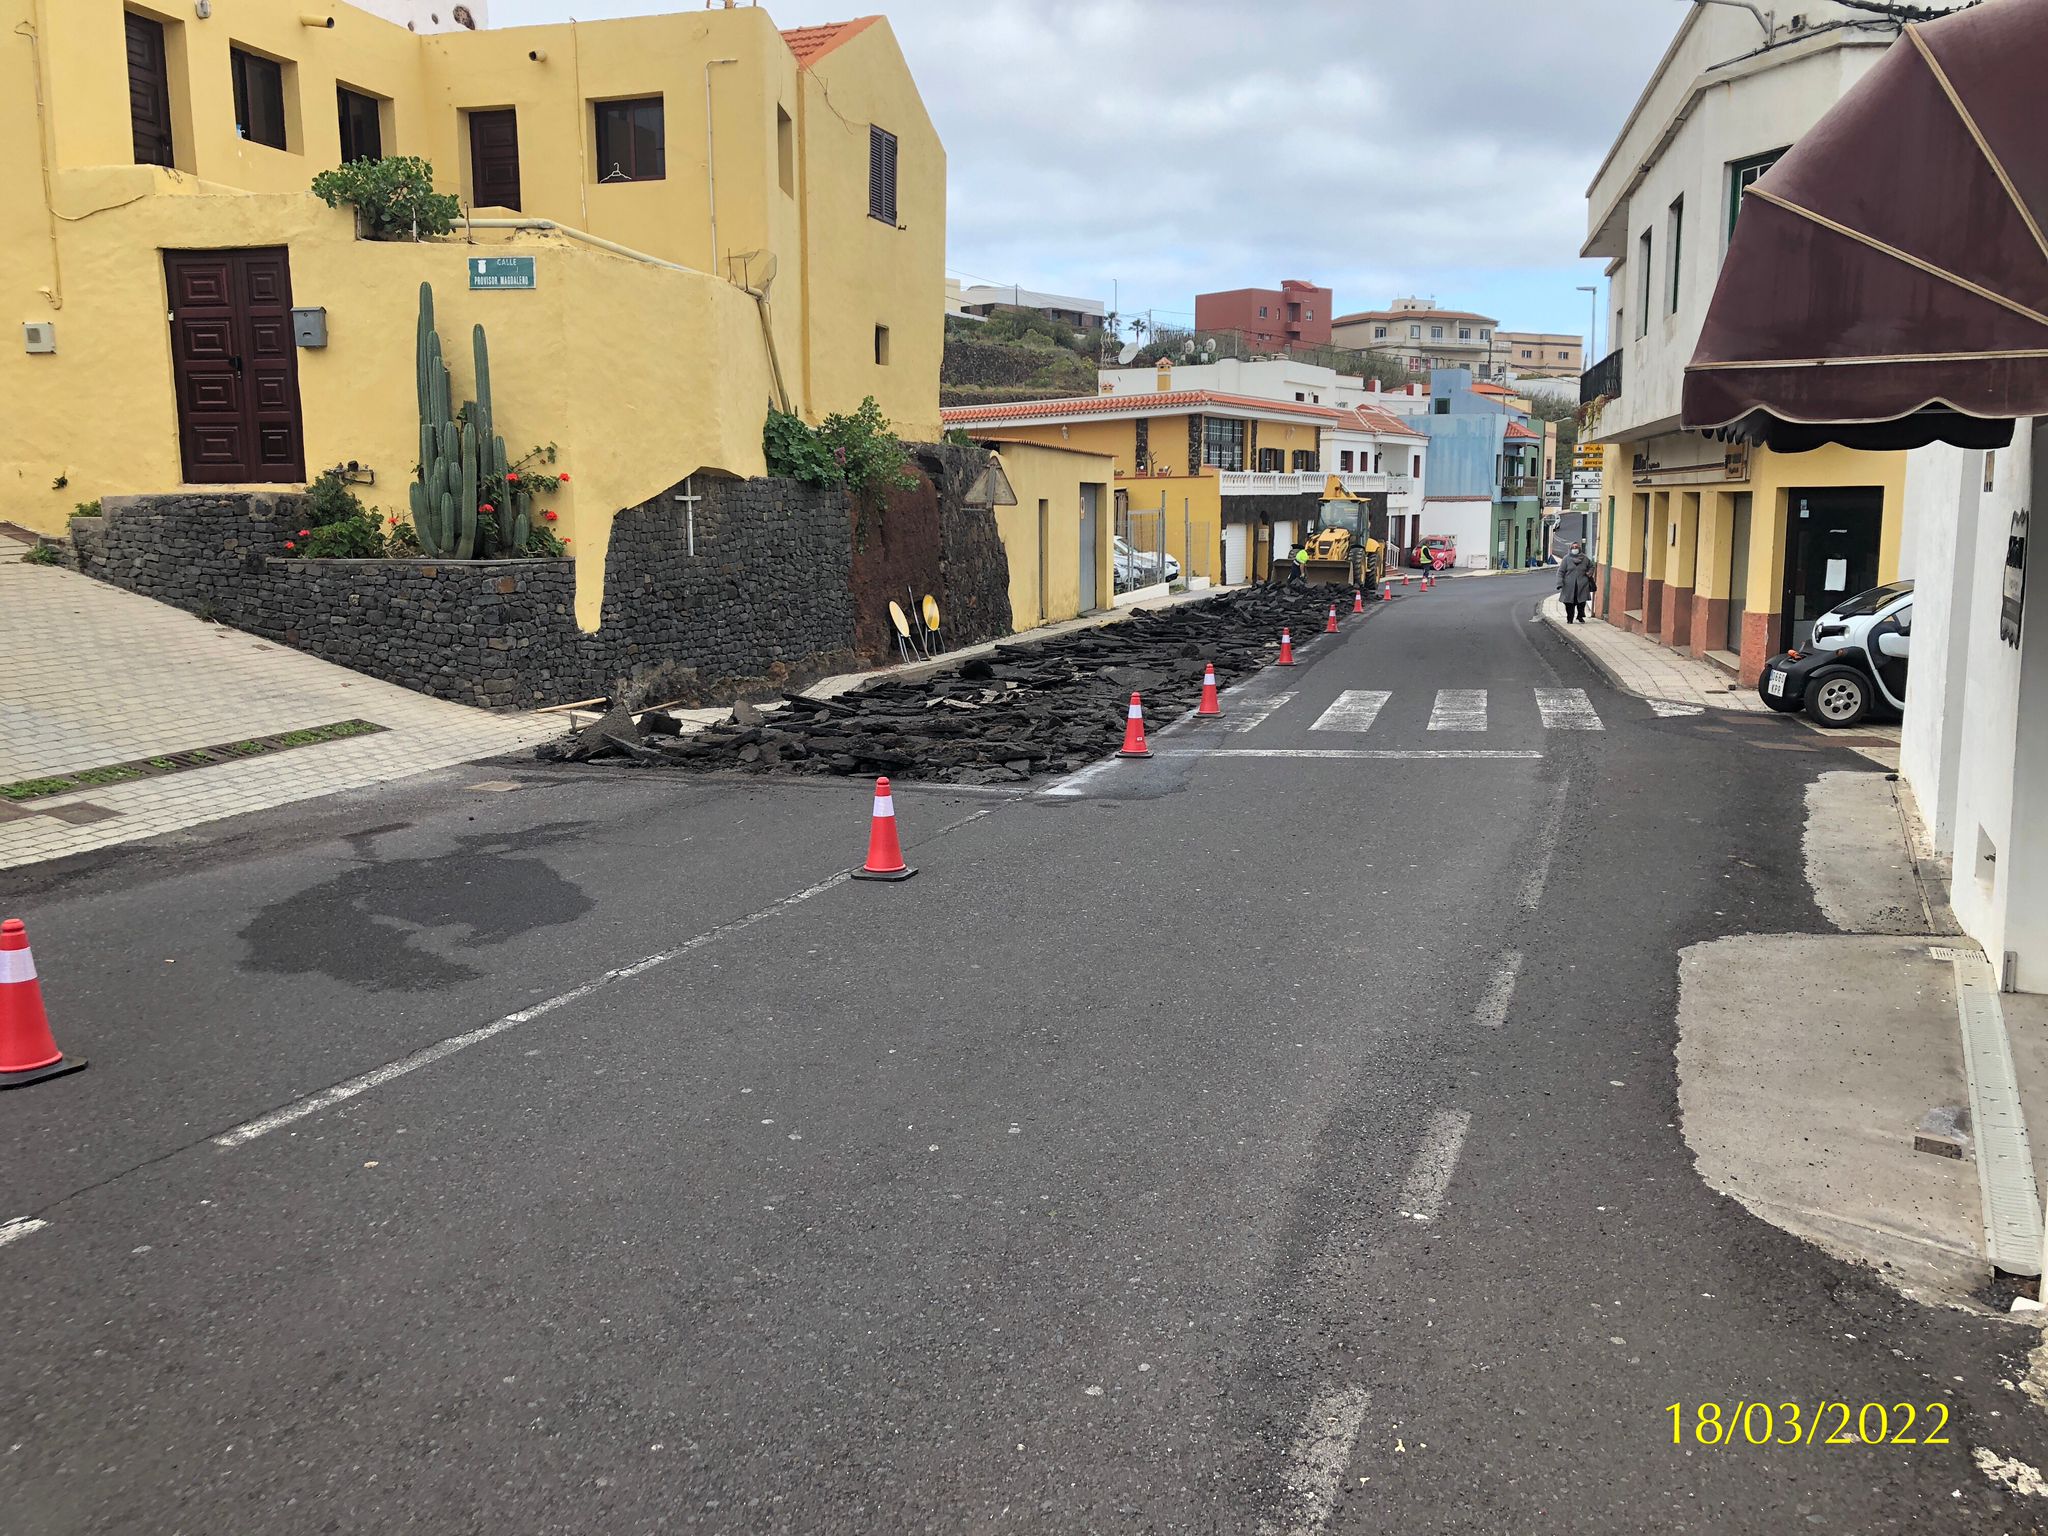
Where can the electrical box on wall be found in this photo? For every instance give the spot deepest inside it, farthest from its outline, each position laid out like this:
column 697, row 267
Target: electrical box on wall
column 309, row 327
column 39, row 337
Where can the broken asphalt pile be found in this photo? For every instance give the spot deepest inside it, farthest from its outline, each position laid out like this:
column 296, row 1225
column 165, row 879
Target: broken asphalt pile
column 1023, row 710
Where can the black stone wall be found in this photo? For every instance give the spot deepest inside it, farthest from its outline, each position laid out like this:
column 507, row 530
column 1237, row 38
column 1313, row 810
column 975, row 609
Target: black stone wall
column 764, row 600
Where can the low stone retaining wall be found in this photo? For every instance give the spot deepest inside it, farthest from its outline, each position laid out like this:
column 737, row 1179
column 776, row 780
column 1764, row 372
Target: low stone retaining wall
column 753, row 592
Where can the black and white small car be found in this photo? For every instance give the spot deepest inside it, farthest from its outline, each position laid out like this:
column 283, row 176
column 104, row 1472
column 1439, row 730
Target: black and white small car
column 1853, row 666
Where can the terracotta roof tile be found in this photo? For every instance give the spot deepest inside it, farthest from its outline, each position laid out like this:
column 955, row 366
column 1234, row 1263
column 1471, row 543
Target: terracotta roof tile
column 1373, row 419
column 1516, row 429
column 1168, row 401
column 812, row 43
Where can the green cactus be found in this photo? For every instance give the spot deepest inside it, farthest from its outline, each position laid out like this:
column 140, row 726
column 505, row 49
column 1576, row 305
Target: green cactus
column 462, row 459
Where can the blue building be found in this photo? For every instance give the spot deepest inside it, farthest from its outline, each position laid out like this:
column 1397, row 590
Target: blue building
column 1483, row 477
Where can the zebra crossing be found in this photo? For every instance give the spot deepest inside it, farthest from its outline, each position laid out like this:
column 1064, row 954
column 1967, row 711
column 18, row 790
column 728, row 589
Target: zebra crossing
column 1453, row 709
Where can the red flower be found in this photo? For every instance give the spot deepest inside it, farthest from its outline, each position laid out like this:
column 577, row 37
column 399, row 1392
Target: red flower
column 550, row 515
column 288, row 544
column 511, row 477
column 305, row 533
column 394, row 522
column 561, row 479
column 487, row 507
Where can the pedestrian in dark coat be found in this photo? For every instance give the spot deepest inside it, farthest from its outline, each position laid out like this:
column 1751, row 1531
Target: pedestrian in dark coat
column 1575, row 584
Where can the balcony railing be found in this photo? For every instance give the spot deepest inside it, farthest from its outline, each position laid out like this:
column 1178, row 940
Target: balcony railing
column 1603, row 378
column 1266, row 482
column 1513, row 487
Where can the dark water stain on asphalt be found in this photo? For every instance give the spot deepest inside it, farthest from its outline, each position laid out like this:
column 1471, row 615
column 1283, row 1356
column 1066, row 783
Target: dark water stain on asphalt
column 371, row 925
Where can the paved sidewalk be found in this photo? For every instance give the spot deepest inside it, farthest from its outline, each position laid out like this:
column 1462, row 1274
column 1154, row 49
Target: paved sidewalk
column 96, row 676
column 1652, row 671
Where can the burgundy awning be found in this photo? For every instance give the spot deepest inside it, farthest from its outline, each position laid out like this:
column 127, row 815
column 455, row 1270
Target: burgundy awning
column 1887, row 283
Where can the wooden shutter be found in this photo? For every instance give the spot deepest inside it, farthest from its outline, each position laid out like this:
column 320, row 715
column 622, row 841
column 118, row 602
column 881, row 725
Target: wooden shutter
column 881, row 175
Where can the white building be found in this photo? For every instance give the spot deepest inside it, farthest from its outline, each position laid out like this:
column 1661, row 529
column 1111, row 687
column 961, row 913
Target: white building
column 429, row 15
column 1975, row 744
column 984, row 300
column 1705, row 546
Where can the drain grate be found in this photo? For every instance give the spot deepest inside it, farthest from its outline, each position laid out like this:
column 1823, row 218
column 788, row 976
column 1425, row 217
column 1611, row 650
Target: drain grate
column 107, row 774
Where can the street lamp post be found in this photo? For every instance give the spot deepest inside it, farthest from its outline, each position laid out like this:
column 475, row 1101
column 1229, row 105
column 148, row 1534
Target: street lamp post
column 1592, row 292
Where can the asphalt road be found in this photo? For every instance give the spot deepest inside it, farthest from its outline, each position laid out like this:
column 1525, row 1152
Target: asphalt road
column 1266, row 1137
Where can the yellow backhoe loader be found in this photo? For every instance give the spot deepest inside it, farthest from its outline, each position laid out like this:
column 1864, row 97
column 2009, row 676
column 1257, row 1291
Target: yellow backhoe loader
column 1341, row 549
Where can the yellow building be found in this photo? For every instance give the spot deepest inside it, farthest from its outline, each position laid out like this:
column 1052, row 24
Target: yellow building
column 1058, row 534
column 1201, row 472
column 704, row 214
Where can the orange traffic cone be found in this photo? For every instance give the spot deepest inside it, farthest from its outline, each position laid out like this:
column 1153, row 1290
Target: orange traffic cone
column 1286, row 650
column 1134, row 731
column 1357, row 600
column 1404, row 578
column 28, row 1054
column 1210, row 703
column 1330, row 628
column 885, row 854
column 1387, row 593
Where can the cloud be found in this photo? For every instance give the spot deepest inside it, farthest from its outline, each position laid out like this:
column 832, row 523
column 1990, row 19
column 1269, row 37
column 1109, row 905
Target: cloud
column 1432, row 146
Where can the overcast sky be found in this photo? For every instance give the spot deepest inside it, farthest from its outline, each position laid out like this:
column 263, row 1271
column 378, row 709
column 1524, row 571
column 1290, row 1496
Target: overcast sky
column 1154, row 149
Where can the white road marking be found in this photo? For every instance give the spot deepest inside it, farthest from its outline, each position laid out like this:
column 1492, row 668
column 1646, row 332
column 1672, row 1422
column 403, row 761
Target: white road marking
column 1546, row 848
column 1355, row 709
column 1430, row 1174
column 1425, row 753
column 326, row 1098
column 1668, row 708
column 1077, row 782
column 1255, row 712
column 1567, row 709
column 1492, row 1011
column 20, row 1227
column 1459, row 709
column 1317, row 1459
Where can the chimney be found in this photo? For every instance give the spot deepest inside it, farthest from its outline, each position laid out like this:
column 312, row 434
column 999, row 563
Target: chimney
column 1164, row 381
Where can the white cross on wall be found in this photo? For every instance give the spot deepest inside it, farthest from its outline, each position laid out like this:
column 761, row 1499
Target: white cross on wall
column 689, row 498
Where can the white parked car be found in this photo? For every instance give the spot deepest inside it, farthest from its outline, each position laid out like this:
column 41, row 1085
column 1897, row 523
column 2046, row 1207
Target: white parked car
column 1141, row 567
column 1854, row 666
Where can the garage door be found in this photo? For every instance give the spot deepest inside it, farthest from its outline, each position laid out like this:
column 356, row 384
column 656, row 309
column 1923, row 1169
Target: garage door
column 1233, row 553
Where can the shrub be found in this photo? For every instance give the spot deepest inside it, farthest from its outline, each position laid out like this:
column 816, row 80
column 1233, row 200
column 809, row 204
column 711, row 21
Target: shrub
column 794, row 452
column 338, row 525
column 87, row 508
column 43, row 554
column 394, row 197
column 858, row 451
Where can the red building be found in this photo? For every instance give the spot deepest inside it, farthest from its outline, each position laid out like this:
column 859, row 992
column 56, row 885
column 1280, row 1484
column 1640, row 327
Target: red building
column 1296, row 314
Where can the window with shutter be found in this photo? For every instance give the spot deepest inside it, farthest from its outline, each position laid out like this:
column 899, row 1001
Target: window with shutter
column 881, row 175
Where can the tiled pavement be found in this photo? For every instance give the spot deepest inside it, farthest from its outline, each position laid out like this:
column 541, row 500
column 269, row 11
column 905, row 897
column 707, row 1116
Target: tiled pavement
column 1654, row 671
column 91, row 675
column 1678, row 684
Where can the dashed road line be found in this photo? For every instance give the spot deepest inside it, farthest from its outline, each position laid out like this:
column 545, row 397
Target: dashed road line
column 1567, row 709
column 1354, row 709
column 1492, row 1011
column 1458, row 709
column 1430, row 1174
column 1317, row 1459
column 1546, row 848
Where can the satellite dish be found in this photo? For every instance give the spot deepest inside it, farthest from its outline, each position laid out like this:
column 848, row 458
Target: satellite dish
column 899, row 618
column 931, row 611
column 1130, row 350
column 1187, row 348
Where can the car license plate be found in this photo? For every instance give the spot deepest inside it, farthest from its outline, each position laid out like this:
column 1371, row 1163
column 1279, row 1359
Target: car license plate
column 1776, row 686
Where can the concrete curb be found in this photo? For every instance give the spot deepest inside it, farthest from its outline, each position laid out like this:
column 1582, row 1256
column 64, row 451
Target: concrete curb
column 1552, row 612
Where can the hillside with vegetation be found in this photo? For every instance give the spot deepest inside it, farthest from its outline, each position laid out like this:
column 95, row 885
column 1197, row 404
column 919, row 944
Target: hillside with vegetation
column 1015, row 357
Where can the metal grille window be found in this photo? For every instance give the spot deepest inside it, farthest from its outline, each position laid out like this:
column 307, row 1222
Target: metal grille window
column 881, row 175
column 632, row 141
column 1223, row 442
column 259, row 97
column 1305, row 461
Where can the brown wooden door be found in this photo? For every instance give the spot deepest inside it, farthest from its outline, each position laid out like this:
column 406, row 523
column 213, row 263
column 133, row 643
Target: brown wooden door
column 149, row 91
column 494, row 159
column 235, row 366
